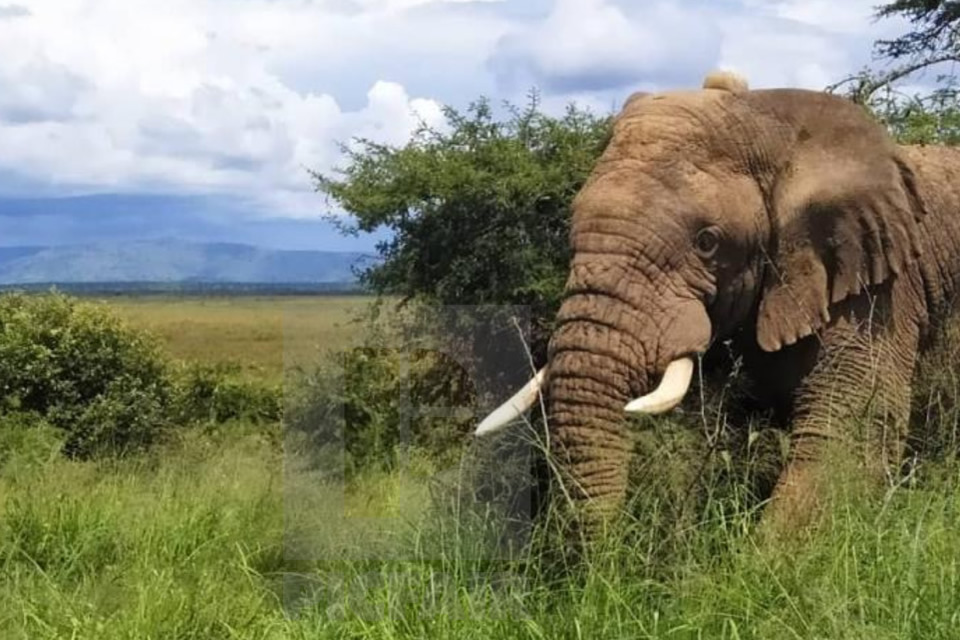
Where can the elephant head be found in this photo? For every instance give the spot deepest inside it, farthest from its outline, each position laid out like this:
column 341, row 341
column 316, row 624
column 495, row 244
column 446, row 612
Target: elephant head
column 709, row 211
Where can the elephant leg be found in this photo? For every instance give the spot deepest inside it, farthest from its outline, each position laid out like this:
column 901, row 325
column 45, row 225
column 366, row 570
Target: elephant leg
column 851, row 411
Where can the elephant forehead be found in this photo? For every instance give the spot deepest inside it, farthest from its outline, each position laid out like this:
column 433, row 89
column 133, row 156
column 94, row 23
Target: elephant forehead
column 678, row 115
column 671, row 101
column 706, row 128
column 625, row 191
column 673, row 185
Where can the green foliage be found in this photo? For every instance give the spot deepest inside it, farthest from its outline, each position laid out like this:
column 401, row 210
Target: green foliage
column 915, row 118
column 937, row 29
column 26, row 440
column 107, row 388
column 933, row 118
column 213, row 393
column 479, row 207
column 479, row 210
column 222, row 538
column 367, row 402
column 181, row 542
column 81, row 369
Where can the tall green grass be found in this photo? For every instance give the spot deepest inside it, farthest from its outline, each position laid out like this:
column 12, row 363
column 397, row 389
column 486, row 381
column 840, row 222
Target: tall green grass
column 175, row 545
column 230, row 538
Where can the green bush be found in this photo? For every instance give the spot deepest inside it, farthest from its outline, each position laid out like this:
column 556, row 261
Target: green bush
column 209, row 393
column 83, row 371
column 367, row 402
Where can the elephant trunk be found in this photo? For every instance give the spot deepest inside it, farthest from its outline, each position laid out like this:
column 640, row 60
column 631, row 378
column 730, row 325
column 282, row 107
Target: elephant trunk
column 604, row 355
column 587, row 395
column 595, row 368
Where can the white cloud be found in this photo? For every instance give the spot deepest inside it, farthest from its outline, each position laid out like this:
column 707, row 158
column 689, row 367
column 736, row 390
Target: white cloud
column 167, row 98
column 802, row 43
column 793, row 55
column 395, row 6
column 210, row 97
column 849, row 17
column 601, row 50
column 599, row 43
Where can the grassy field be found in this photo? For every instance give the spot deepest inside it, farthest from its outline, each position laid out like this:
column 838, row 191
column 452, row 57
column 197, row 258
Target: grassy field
column 257, row 334
column 209, row 539
column 226, row 535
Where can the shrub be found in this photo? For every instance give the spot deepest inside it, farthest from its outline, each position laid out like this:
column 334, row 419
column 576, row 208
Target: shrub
column 83, row 371
column 207, row 393
column 366, row 403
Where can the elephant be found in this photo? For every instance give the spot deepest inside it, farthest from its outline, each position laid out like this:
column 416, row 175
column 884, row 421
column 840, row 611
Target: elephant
column 787, row 220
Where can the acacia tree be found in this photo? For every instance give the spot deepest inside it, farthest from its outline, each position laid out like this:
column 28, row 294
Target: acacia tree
column 478, row 208
column 937, row 34
column 932, row 44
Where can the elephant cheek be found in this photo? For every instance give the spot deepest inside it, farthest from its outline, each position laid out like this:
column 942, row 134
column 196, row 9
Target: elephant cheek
column 686, row 332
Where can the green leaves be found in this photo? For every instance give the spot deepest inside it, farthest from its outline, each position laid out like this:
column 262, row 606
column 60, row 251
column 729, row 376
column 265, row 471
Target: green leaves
column 76, row 365
column 479, row 207
column 105, row 387
column 937, row 29
column 934, row 42
column 933, row 118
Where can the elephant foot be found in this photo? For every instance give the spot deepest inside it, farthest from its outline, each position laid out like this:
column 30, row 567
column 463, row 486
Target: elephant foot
column 808, row 490
column 797, row 503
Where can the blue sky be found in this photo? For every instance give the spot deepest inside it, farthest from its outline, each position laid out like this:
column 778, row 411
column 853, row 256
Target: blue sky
column 131, row 119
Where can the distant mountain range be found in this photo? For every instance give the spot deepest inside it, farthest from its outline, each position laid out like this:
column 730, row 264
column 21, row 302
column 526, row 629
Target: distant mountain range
column 174, row 261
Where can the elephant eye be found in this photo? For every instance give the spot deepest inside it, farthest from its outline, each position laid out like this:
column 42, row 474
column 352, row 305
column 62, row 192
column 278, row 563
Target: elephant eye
column 707, row 242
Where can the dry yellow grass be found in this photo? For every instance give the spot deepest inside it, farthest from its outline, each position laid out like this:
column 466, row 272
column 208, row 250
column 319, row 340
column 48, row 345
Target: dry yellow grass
column 258, row 334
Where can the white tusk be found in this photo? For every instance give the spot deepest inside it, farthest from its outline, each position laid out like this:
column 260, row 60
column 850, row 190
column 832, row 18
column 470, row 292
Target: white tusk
column 513, row 408
column 673, row 386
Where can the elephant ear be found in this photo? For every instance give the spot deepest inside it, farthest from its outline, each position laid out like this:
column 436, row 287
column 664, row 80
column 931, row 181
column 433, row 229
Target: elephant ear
column 838, row 225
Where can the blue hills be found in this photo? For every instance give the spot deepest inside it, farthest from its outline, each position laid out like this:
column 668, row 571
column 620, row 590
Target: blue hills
column 175, row 261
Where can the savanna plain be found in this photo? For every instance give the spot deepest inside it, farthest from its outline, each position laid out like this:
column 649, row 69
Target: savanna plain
column 225, row 530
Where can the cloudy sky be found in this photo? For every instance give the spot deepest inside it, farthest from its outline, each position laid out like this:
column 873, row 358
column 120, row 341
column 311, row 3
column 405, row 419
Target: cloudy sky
column 124, row 119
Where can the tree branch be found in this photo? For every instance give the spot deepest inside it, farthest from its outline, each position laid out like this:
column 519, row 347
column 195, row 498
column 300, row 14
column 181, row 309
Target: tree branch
column 867, row 86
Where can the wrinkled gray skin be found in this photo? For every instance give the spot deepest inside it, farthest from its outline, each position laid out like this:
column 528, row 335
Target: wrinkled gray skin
column 836, row 250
